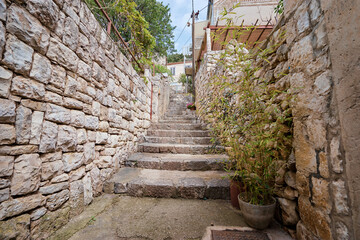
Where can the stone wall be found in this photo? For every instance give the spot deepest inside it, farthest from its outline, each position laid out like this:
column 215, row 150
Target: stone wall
column 71, row 109
column 320, row 183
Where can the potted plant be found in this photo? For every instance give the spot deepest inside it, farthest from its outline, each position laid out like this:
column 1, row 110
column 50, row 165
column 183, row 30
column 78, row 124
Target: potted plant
column 191, row 106
column 248, row 117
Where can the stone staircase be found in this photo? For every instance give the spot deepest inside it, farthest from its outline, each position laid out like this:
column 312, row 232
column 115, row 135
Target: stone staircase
column 174, row 160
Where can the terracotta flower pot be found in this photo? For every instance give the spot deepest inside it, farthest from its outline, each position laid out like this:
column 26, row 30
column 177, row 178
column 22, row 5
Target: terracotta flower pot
column 236, row 187
column 257, row 216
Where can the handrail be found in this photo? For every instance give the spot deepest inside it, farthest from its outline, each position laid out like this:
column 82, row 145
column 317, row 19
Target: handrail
column 111, row 25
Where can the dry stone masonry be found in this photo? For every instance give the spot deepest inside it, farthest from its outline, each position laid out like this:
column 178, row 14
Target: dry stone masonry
column 72, row 108
column 314, row 198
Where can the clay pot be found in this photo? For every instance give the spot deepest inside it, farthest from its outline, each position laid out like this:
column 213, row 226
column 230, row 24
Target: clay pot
column 257, row 216
column 236, row 187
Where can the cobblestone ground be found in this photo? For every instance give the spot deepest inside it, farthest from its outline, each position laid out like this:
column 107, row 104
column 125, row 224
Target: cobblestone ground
column 123, row 217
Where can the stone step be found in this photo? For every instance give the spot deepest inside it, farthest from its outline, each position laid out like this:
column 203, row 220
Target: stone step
column 179, row 140
column 178, row 133
column 169, row 184
column 177, row 126
column 178, row 148
column 179, row 162
column 181, row 117
column 178, row 121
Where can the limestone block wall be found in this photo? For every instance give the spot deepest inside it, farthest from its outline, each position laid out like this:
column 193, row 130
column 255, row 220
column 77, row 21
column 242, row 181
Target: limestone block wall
column 314, row 197
column 71, row 109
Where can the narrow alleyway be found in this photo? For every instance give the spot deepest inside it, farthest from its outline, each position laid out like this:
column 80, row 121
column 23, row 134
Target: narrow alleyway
column 173, row 160
column 172, row 183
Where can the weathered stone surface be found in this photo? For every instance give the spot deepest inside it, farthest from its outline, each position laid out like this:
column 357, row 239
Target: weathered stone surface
column 301, row 53
column 2, row 39
column 302, row 233
column 320, row 193
column 7, row 111
column 4, row 194
column 58, row 76
column 27, row 28
column 53, row 188
column 66, row 138
column 50, row 222
column 64, row 56
column 44, row 10
column 71, row 34
column 23, row 125
column 335, row 155
column 76, row 197
column 73, row 103
column 4, row 183
column 18, row 150
column 2, row 10
column 55, row 201
column 88, row 194
column 84, row 50
column 5, row 80
column 316, row 221
column 48, row 137
column 61, row 178
column 7, row 135
column 26, row 177
column 340, row 197
column 71, row 86
column 96, row 108
column 89, row 152
column 37, row 106
column 38, row 213
column 104, row 162
column 77, row 118
column 101, row 137
column 91, row 122
column 342, row 232
column 6, row 166
column 72, row 161
column 17, row 206
column 289, row 215
column 51, row 169
column 15, row 228
column 51, row 157
column 81, row 136
column 41, row 68
column 36, row 124
column 290, row 193
column 77, row 174
column 27, row 88
column 57, row 114
column 97, row 185
column 290, row 179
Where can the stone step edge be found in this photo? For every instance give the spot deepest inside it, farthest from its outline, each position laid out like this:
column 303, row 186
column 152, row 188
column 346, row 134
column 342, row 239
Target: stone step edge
column 189, row 188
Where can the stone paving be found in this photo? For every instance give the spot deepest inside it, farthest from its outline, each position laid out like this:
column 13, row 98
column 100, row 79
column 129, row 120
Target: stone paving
column 113, row 216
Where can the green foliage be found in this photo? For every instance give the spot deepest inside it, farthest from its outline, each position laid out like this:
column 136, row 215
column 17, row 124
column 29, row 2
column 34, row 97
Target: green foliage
column 130, row 23
column 250, row 117
column 183, row 80
column 177, row 57
column 279, row 9
column 162, row 69
column 159, row 18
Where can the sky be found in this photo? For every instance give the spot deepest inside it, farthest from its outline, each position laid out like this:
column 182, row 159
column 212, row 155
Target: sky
column 180, row 14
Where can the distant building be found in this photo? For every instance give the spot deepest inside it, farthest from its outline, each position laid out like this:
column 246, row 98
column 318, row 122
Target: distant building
column 257, row 13
column 177, row 69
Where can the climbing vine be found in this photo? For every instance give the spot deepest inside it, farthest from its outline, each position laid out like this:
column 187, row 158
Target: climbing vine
column 130, row 23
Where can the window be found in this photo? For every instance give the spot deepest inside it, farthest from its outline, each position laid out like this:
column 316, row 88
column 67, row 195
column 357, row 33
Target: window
column 172, row 69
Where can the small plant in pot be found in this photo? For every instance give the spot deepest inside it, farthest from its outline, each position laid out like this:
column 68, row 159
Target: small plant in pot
column 191, row 106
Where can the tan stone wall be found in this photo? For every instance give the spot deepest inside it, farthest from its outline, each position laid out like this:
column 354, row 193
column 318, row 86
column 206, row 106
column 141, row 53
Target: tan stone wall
column 71, row 109
column 320, row 197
